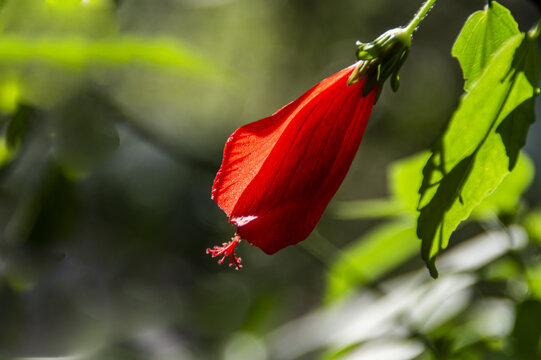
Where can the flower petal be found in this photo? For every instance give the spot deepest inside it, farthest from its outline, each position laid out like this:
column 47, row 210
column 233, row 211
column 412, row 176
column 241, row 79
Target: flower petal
column 279, row 173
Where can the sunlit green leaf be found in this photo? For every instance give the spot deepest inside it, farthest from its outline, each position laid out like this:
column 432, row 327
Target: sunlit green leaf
column 533, row 275
column 482, row 35
column 477, row 150
column 10, row 92
column 77, row 52
column 367, row 209
column 372, row 256
column 5, row 153
column 406, row 178
column 532, row 224
column 506, row 197
column 504, row 268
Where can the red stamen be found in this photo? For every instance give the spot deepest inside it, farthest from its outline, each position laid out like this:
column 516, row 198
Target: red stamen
column 227, row 249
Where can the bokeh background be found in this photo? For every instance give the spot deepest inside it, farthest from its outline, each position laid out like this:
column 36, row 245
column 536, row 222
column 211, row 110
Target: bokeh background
column 114, row 115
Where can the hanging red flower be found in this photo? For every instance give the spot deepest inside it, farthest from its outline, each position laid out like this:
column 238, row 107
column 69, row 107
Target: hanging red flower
column 278, row 174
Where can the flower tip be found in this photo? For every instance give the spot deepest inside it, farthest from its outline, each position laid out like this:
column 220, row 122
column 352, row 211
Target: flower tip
column 227, row 249
column 235, row 262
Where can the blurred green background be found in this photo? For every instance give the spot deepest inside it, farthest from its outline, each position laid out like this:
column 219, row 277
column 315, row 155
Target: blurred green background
column 114, row 115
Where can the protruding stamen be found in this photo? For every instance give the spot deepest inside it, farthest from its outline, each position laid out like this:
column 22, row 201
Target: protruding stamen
column 227, row 249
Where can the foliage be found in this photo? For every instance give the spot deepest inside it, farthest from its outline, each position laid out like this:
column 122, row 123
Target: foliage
column 483, row 138
column 112, row 121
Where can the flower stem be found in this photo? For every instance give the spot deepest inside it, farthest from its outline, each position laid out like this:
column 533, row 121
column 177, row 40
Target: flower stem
column 423, row 11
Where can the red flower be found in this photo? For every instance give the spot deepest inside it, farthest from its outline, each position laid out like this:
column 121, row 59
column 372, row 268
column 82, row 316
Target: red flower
column 278, row 174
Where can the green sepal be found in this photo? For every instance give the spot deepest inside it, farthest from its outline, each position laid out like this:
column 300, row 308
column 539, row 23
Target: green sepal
column 395, row 82
column 381, row 59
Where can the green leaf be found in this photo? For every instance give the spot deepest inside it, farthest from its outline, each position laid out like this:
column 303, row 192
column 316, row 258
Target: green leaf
column 506, row 198
column 482, row 35
column 5, row 153
column 367, row 209
column 10, row 92
column 372, row 256
column 532, row 224
column 405, row 178
column 478, row 148
column 77, row 52
column 533, row 275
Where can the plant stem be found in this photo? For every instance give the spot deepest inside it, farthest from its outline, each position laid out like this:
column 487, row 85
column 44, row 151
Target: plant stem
column 423, row 11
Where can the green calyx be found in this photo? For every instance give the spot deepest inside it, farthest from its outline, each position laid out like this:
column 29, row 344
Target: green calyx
column 381, row 59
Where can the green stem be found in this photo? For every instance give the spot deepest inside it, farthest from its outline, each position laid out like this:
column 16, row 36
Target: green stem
column 423, row 11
